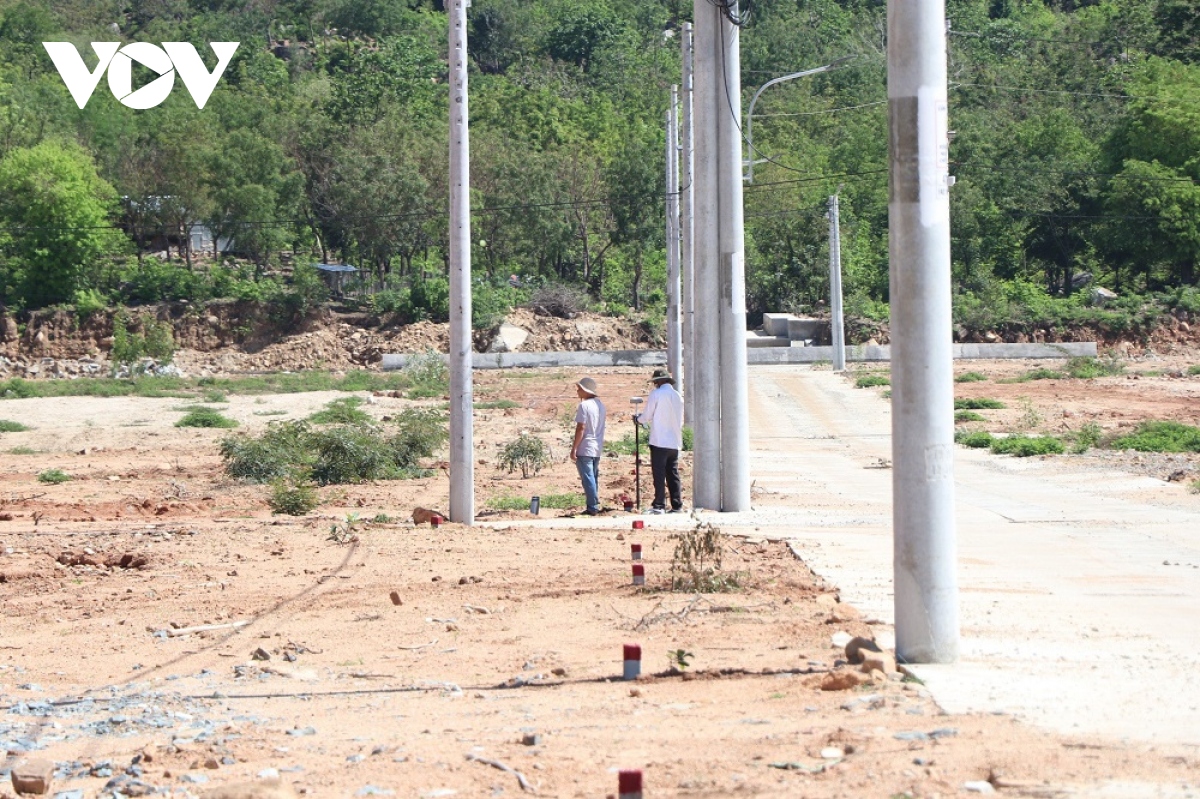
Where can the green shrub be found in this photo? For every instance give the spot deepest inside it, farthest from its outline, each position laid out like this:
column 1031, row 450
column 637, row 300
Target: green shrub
column 554, row 501
column 975, row 440
column 528, row 453
column 1041, row 373
column 87, row 302
column 23, row 451
column 343, row 410
column 1194, row 369
column 868, row 381
column 1085, row 438
column 968, row 416
column 977, row 404
column 428, row 375
column 7, row 426
column 1088, row 368
column 625, row 446
column 206, row 417
column 696, row 562
column 54, row 476
column 154, row 340
column 1025, row 446
column 333, row 455
column 1161, row 437
column 970, row 377
column 292, row 499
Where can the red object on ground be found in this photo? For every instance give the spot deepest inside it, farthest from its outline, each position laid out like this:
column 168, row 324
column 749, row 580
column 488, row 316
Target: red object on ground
column 435, row 521
column 635, row 551
column 638, row 524
column 639, row 574
column 629, row 784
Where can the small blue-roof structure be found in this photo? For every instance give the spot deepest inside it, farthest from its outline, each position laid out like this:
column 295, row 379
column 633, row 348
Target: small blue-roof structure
column 335, row 275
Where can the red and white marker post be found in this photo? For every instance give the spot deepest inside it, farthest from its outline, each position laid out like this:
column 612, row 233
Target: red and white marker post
column 639, row 574
column 633, row 661
column 635, row 551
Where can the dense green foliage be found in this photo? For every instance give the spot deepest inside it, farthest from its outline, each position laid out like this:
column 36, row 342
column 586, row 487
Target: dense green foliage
column 1161, row 437
column 1077, row 128
column 206, row 417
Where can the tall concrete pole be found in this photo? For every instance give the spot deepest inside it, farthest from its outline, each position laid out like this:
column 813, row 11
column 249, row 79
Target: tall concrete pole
column 837, row 322
column 462, row 443
column 924, row 559
column 686, row 210
column 674, row 333
column 706, row 330
column 735, row 400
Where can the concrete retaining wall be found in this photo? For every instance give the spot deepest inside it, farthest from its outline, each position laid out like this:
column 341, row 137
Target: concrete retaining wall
column 754, row 355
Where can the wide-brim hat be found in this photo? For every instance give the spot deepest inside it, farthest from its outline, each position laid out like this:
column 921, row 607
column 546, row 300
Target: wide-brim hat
column 588, row 385
column 662, row 376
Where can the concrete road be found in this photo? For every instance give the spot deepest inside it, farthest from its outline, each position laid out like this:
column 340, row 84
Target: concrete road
column 1079, row 589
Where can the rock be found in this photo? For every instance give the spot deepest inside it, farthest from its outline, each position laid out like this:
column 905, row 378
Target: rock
column 1101, row 295
column 32, row 776
column 843, row 680
column 858, row 647
column 843, row 613
column 260, row 654
column 395, row 597
column 509, row 338
column 878, row 661
column 979, row 786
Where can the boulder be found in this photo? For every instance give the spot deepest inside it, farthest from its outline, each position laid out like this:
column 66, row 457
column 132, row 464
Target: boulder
column 509, row 338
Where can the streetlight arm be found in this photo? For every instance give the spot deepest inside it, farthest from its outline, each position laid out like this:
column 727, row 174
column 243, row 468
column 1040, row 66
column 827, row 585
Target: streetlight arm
column 750, row 112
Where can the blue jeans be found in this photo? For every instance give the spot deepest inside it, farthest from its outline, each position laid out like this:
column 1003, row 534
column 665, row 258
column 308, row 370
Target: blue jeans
column 589, row 473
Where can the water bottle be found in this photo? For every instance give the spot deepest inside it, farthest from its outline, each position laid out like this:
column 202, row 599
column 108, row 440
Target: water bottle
column 535, row 505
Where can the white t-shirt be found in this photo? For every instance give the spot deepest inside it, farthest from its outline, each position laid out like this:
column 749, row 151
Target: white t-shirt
column 591, row 415
column 664, row 414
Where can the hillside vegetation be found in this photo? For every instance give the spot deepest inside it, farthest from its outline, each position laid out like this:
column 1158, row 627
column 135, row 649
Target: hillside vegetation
column 1077, row 134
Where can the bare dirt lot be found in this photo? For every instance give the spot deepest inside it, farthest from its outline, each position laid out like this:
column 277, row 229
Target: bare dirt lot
column 408, row 661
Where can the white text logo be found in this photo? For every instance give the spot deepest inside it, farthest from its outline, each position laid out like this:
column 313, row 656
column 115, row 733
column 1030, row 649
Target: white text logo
column 165, row 61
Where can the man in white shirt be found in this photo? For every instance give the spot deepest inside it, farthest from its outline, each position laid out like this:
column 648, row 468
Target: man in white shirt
column 588, row 444
column 664, row 417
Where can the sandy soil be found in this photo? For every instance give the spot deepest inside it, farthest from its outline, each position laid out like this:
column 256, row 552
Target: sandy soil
column 409, row 661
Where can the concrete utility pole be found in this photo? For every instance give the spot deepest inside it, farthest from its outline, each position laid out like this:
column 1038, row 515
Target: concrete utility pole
column 926, row 584
column 674, row 334
column 837, row 323
column 706, row 330
column 735, row 399
column 686, row 228
column 462, row 442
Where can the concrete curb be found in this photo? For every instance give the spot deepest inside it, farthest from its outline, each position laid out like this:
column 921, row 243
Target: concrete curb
column 754, row 355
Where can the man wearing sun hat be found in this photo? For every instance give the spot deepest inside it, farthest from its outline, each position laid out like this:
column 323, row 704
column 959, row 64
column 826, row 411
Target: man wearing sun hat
column 588, row 445
column 664, row 417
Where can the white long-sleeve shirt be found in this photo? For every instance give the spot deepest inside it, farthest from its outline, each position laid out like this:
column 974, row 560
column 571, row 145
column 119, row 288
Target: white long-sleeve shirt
column 664, row 414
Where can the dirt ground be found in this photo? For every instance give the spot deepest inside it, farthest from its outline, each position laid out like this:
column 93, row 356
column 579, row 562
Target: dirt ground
column 482, row 661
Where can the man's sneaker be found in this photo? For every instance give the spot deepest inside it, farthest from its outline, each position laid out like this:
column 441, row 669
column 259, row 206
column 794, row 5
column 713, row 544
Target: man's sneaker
column 656, row 511
column 675, row 510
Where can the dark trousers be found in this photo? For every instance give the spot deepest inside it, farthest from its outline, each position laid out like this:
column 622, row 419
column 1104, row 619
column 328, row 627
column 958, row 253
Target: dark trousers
column 664, row 466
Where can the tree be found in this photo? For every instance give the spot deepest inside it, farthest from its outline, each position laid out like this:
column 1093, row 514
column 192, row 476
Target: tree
column 55, row 210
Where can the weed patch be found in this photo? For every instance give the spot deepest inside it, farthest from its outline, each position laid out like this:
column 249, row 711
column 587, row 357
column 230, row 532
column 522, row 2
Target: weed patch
column 54, row 477
column 1088, row 368
column 206, row 417
column 554, row 501
column 977, row 404
column 970, row 377
column 1161, row 437
column 1194, row 369
column 7, row 426
column 23, row 451
column 1085, row 438
column 976, row 440
column 1026, row 446
column 968, row 416
column 1041, row 373
column 428, row 375
column 869, row 381
column 343, row 410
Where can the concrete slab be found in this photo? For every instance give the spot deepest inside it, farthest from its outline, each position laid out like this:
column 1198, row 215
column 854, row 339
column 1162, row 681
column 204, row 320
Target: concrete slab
column 799, row 329
column 754, row 355
column 776, row 324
